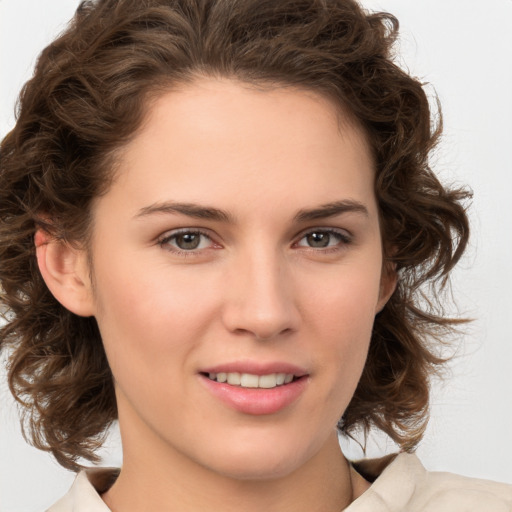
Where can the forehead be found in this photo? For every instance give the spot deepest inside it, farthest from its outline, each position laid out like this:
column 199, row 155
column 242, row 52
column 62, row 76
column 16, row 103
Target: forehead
column 219, row 140
column 210, row 103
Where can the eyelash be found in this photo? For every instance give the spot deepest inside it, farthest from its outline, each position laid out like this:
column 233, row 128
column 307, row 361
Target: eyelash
column 164, row 242
column 343, row 237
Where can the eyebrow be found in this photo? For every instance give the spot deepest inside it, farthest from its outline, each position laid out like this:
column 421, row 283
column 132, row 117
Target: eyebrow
column 215, row 214
column 188, row 209
column 331, row 210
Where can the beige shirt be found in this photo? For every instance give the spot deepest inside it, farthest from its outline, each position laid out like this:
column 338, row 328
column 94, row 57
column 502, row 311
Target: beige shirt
column 403, row 486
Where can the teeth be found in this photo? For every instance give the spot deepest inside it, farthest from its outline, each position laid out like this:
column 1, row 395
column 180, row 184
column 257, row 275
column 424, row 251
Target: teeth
column 248, row 380
column 268, row 381
column 234, row 379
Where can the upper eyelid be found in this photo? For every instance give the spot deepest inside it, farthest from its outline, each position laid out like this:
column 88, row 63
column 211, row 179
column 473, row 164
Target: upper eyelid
column 325, row 229
column 179, row 231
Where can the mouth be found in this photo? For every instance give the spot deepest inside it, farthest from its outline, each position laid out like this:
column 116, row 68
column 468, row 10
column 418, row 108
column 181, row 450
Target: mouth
column 254, row 388
column 253, row 381
column 256, row 394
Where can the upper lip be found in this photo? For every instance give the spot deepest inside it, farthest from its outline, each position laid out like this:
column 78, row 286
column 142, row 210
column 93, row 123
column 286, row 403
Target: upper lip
column 256, row 368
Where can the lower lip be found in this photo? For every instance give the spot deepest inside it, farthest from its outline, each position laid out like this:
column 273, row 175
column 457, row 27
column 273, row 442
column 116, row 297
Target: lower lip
column 256, row 401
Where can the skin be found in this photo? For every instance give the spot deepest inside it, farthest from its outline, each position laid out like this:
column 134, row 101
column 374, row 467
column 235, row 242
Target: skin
column 255, row 289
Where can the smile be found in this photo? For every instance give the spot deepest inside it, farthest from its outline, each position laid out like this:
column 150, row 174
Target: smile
column 256, row 393
column 249, row 380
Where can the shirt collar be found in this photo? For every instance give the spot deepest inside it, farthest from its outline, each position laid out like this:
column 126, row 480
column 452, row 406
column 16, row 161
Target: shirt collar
column 84, row 495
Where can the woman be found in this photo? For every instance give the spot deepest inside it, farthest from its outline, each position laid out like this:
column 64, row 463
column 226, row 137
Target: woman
column 215, row 219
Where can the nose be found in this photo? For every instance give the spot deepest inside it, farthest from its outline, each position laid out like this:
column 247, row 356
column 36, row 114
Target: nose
column 260, row 299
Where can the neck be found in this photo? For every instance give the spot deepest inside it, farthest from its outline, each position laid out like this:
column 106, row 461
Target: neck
column 151, row 481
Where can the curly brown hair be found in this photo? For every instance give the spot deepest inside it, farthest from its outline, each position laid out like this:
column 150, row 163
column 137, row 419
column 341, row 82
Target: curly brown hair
column 88, row 96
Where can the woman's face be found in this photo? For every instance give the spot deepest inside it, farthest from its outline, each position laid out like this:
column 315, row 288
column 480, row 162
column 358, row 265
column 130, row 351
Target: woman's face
column 239, row 242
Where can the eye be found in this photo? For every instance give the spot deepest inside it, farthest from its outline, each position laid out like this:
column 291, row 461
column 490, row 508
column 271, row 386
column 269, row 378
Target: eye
column 186, row 241
column 324, row 239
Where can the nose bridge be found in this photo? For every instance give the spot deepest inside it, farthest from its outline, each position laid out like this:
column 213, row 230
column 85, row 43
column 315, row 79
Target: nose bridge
column 260, row 297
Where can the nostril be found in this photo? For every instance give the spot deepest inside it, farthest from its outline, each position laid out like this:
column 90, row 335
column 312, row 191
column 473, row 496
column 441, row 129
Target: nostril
column 263, row 335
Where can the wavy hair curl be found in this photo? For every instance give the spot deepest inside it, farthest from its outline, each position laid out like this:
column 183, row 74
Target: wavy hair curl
column 88, row 96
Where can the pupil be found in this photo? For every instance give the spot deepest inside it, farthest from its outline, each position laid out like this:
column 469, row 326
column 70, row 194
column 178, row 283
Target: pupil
column 318, row 239
column 188, row 241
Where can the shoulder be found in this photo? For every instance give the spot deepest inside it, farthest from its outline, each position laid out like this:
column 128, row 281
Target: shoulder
column 405, row 486
column 84, row 495
column 446, row 491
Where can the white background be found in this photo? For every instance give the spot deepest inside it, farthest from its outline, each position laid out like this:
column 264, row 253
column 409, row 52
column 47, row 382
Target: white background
column 465, row 50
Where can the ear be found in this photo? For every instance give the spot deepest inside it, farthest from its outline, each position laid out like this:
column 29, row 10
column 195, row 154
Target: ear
column 388, row 282
column 66, row 272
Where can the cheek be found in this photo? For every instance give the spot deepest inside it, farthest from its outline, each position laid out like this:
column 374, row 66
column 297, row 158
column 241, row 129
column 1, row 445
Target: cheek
column 344, row 304
column 342, row 314
column 145, row 317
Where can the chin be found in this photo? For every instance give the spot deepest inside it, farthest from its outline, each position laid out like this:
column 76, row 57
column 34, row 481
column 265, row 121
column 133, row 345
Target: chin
column 261, row 467
column 257, row 459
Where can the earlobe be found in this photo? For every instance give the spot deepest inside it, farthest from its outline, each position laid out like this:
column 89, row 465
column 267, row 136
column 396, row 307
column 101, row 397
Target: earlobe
column 65, row 272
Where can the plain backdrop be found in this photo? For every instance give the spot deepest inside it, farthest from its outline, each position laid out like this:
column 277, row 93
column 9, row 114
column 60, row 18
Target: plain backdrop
column 463, row 48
